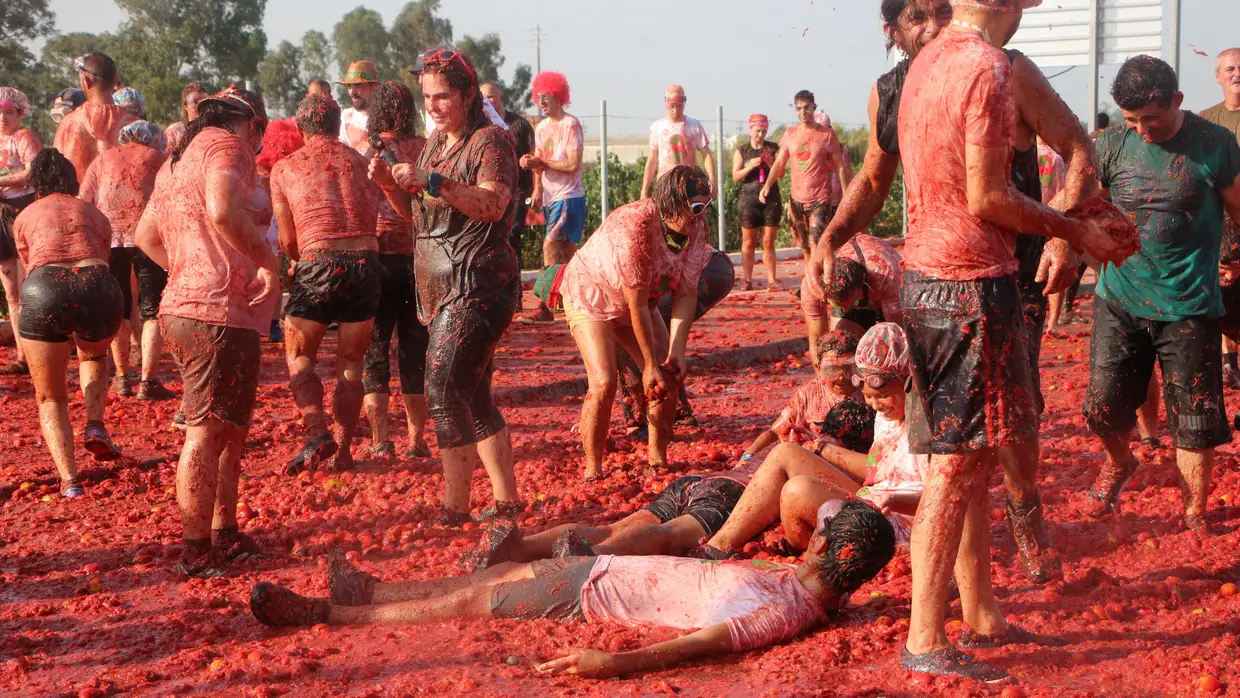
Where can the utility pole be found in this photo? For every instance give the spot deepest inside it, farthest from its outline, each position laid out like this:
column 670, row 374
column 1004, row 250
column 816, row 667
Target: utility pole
column 538, row 37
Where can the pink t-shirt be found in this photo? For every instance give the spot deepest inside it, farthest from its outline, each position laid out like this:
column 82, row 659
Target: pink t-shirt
column 120, row 182
column 209, row 280
column 629, row 251
column 554, row 141
column 882, row 275
column 762, row 603
column 958, row 92
column 812, row 157
column 17, row 151
column 677, row 143
column 396, row 233
column 89, row 130
column 808, row 407
column 1053, row 172
column 327, row 189
column 58, row 229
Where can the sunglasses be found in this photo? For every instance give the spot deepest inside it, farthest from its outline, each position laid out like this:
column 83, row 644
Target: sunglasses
column 79, row 64
column 876, row 381
column 699, row 207
column 440, row 54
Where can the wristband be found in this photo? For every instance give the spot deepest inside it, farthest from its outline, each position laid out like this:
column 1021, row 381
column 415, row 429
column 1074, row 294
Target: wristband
column 746, row 457
column 433, row 180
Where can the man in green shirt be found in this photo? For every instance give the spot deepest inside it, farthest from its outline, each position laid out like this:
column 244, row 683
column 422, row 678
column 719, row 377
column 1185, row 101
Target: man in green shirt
column 1175, row 174
column 1227, row 115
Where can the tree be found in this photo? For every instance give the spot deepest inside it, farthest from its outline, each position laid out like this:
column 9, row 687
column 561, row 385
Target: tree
column 316, row 55
column 416, row 29
column 26, row 20
column 360, row 35
column 279, row 77
column 487, row 55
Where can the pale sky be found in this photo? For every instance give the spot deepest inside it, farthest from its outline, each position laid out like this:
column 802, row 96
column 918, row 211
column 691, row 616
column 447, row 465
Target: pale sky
column 746, row 56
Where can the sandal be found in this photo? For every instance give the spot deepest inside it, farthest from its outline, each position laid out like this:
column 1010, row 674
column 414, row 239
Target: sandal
column 386, row 449
column 505, row 509
column 950, row 661
column 452, row 519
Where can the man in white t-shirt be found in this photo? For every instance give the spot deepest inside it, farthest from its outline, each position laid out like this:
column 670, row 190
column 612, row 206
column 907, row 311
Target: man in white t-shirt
column 361, row 80
column 726, row 607
column 558, row 147
column 677, row 140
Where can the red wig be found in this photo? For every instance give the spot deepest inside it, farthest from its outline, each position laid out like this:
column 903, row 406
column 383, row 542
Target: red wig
column 551, row 83
column 282, row 139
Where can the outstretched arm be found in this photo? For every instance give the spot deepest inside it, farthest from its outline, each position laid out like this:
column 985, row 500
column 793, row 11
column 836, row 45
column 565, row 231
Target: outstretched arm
column 708, row 642
column 652, row 167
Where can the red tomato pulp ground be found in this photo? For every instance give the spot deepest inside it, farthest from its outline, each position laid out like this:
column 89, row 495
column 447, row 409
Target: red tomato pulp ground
column 89, row 605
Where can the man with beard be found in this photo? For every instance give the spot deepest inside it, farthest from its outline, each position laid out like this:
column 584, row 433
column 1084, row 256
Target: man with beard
column 361, row 80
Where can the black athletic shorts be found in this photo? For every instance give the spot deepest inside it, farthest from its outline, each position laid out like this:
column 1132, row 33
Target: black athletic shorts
column 970, row 364
column 1122, row 352
column 336, row 286
column 9, row 208
column 755, row 214
column 554, row 593
column 812, row 218
column 60, row 302
column 709, row 500
column 151, row 280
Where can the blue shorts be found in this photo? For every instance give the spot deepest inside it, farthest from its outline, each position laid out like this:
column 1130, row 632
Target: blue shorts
column 566, row 220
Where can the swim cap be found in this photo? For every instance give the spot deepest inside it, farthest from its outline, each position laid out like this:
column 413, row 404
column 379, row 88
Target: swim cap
column 146, row 133
column 883, row 351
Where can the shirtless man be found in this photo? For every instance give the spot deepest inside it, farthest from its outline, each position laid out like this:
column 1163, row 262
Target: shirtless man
column 327, row 210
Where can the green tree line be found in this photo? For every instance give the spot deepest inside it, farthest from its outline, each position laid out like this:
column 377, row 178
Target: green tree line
column 163, row 44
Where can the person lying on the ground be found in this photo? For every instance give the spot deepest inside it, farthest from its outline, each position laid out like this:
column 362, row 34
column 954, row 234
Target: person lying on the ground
column 729, row 606
column 793, row 483
column 831, row 385
column 687, row 512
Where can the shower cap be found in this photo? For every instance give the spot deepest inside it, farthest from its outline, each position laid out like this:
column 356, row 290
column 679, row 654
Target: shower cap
column 883, row 351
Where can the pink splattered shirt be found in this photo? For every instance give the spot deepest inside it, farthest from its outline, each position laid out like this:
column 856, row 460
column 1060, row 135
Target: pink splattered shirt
column 812, row 157
column 958, row 92
column 677, row 143
column 554, row 141
column 17, row 151
column 120, row 182
column 61, row 229
column 762, row 603
column 628, row 251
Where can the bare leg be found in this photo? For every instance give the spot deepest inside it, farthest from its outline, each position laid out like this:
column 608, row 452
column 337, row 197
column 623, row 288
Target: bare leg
column 416, row 416
column 749, row 243
column 768, row 256
column 152, row 348
column 977, row 600
column 1147, row 414
column 799, row 501
column 495, row 452
column 433, row 588
column 660, row 414
column 229, row 476
column 376, row 406
column 301, row 346
column 1054, row 308
column 759, row 506
column 93, row 377
column 953, row 483
column 597, row 343
column 11, row 277
column 49, row 365
column 459, row 464
column 466, row 604
column 120, row 349
column 1195, row 468
column 675, row 537
column 354, row 340
column 198, row 477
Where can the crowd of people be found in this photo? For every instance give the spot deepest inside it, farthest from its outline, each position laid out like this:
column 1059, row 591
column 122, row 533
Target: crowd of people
column 925, row 350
